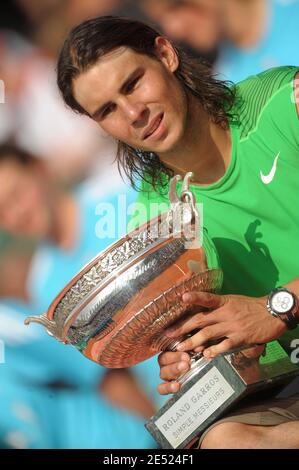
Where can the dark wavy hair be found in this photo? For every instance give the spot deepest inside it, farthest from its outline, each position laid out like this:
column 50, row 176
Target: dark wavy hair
column 94, row 38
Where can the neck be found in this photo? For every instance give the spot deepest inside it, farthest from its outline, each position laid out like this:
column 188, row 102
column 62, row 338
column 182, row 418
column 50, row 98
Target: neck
column 64, row 219
column 205, row 149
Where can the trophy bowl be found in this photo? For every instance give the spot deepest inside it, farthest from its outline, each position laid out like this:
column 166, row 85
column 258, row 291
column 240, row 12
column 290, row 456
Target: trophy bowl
column 116, row 309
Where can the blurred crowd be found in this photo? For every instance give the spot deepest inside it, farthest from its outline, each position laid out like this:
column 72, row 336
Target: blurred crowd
column 56, row 169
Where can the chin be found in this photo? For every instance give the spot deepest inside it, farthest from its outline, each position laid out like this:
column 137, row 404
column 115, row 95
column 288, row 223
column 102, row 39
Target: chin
column 169, row 145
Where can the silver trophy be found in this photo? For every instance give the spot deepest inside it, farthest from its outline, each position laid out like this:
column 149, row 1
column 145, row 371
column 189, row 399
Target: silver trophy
column 116, row 309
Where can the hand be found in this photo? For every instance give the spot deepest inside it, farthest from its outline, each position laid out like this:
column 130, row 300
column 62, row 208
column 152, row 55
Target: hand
column 173, row 364
column 235, row 320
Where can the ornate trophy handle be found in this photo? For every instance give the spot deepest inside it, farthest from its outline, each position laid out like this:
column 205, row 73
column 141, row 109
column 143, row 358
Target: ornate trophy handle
column 50, row 326
column 184, row 216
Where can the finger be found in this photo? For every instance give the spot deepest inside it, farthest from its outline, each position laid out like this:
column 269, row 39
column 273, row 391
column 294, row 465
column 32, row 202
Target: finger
column 204, row 299
column 168, row 387
column 255, row 351
column 173, row 371
column 195, row 322
column 225, row 346
column 172, row 357
column 202, row 337
column 199, row 349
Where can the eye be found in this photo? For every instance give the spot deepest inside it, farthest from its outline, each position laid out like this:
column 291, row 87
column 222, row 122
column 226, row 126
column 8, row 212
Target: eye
column 130, row 87
column 109, row 109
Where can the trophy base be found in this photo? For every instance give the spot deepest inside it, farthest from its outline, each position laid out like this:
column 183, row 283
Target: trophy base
column 214, row 386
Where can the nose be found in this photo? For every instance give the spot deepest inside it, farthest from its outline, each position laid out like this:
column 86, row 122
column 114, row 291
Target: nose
column 134, row 111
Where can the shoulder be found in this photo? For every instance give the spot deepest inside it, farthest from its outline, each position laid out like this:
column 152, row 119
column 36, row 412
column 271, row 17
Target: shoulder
column 265, row 85
column 266, row 93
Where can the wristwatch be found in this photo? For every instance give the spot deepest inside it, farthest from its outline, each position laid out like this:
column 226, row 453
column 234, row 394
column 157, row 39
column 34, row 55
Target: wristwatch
column 283, row 304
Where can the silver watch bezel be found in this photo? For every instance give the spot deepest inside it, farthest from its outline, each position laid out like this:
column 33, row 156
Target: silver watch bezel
column 288, row 316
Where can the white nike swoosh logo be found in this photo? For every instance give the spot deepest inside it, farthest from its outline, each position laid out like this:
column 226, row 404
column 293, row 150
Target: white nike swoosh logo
column 266, row 179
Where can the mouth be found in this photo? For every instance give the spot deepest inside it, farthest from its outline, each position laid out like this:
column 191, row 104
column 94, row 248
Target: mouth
column 153, row 129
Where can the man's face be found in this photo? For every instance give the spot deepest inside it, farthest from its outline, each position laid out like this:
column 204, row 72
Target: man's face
column 23, row 200
column 135, row 98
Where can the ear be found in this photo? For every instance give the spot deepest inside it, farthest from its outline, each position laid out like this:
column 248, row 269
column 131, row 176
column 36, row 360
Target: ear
column 166, row 53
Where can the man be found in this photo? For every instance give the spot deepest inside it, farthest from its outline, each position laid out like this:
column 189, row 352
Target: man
column 171, row 116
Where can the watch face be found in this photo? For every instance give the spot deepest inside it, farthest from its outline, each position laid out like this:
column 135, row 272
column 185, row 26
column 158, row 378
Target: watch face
column 282, row 302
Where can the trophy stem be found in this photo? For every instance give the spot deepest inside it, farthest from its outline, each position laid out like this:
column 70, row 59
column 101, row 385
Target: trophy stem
column 164, row 343
column 198, row 362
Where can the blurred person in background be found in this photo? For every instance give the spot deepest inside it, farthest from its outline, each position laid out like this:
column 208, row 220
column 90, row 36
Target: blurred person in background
column 250, row 36
column 13, row 18
column 70, row 229
column 258, row 35
column 33, row 112
column 194, row 23
column 50, row 20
